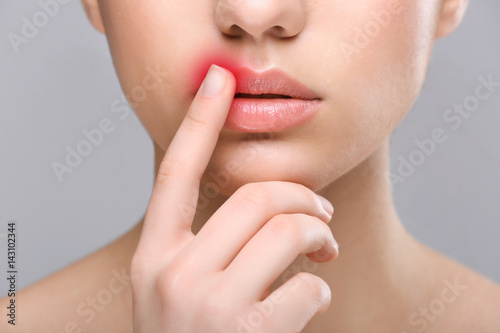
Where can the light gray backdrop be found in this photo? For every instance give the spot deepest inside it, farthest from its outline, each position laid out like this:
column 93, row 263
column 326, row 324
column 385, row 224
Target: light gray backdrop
column 61, row 82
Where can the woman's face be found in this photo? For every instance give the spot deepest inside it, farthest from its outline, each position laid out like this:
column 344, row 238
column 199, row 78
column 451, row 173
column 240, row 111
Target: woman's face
column 366, row 60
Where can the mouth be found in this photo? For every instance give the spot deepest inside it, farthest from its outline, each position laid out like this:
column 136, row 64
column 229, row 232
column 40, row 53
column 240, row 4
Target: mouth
column 269, row 101
column 270, row 84
column 262, row 96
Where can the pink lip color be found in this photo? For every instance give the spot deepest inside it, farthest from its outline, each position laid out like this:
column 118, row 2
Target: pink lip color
column 268, row 115
column 258, row 115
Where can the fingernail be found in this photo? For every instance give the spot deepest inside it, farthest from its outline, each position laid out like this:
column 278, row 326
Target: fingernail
column 215, row 81
column 327, row 205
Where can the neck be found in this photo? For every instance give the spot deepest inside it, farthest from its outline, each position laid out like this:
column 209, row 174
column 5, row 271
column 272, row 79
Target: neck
column 375, row 250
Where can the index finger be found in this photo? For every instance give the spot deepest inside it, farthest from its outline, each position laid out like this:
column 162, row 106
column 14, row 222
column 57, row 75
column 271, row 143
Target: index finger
column 172, row 205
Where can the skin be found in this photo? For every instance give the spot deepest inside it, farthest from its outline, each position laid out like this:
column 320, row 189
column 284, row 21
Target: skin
column 182, row 263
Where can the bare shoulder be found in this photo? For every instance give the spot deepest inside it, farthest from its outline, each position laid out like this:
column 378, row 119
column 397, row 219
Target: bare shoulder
column 92, row 294
column 471, row 301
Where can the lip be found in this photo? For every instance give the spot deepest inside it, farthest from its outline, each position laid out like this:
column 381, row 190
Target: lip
column 296, row 105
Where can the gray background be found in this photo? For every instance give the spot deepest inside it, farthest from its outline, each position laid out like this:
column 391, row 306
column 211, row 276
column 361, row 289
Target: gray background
column 62, row 82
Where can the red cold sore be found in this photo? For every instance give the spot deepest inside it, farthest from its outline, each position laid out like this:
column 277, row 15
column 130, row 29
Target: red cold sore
column 201, row 69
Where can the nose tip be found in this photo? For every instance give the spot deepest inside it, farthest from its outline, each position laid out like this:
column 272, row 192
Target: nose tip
column 260, row 18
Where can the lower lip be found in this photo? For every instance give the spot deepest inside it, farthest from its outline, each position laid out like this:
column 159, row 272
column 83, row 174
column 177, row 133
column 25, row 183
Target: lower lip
column 253, row 115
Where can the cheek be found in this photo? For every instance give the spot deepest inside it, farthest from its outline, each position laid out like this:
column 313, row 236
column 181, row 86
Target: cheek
column 148, row 35
column 385, row 52
column 371, row 91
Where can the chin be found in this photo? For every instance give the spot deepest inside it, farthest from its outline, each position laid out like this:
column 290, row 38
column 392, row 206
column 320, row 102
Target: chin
column 235, row 164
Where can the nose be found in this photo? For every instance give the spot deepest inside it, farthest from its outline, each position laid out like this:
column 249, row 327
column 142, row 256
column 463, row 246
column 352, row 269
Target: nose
column 257, row 19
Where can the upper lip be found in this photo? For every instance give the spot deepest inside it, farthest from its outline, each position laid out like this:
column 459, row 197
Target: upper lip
column 272, row 82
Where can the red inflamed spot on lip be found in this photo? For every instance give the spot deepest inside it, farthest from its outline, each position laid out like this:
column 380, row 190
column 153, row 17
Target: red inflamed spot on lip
column 203, row 64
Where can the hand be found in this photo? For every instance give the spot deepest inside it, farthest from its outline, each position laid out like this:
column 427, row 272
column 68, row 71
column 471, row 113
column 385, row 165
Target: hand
column 214, row 281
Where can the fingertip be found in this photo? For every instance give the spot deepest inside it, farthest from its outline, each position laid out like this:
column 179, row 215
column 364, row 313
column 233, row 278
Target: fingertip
column 326, row 298
column 231, row 77
column 231, row 80
column 325, row 254
column 215, row 81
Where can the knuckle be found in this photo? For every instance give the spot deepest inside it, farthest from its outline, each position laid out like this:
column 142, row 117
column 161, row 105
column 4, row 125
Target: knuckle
column 301, row 192
column 288, row 186
column 173, row 280
column 168, row 169
column 194, row 121
column 324, row 230
column 138, row 269
column 164, row 282
column 287, row 226
column 310, row 197
column 255, row 194
column 135, row 268
column 306, row 191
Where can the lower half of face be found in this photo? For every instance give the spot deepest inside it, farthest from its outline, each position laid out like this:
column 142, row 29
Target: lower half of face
column 365, row 60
